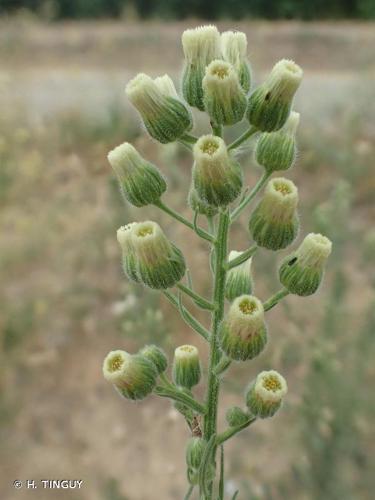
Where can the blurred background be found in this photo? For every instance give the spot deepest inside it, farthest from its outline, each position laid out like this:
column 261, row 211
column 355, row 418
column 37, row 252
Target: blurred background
column 64, row 302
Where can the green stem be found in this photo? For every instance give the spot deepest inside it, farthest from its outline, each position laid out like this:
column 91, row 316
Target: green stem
column 198, row 299
column 172, row 392
column 210, row 421
column 275, row 299
column 189, row 138
column 242, row 258
column 185, row 144
column 201, row 232
column 189, row 492
column 231, row 431
column 236, row 212
column 217, row 129
column 242, row 138
column 187, row 316
column 222, row 365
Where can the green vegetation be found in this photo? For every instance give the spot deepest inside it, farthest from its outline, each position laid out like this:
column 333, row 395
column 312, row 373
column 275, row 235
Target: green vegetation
column 175, row 9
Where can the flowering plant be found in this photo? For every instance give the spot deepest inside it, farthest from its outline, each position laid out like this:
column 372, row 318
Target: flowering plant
column 217, row 80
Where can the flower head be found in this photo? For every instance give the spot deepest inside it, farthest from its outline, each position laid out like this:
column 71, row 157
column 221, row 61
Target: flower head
column 201, row 46
column 140, row 181
column 266, row 393
column 234, row 50
column 274, row 223
column 217, row 176
column 270, row 104
column 186, row 366
column 224, row 98
column 243, row 332
column 165, row 116
column 133, row 375
column 302, row 271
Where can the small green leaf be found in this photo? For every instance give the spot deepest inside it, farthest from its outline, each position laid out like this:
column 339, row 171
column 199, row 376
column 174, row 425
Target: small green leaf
column 204, row 477
column 221, row 482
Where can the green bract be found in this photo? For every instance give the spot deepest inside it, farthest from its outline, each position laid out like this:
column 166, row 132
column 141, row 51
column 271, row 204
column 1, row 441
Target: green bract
column 201, row 46
column 277, row 150
column 186, row 366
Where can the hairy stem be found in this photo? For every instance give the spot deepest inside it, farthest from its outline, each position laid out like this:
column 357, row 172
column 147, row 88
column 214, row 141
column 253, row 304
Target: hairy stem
column 242, row 138
column 258, row 186
column 201, row 232
column 187, row 316
column 189, row 138
column 217, row 129
column 210, row 421
column 231, row 431
column 189, row 492
column 172, row 392
column 242, row 258
column 275, row 299
column 222, row 365
column 198, row 299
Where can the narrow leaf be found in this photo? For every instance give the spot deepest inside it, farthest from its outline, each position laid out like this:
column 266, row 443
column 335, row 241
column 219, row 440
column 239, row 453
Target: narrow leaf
column 206, row 463
column 221, row 482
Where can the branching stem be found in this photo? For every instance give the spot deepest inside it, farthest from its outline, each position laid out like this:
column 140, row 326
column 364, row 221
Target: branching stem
column 189, row 138
column 198, row 299
column 258, row 186
column 242, row 258
column 201, row 232
column 172, row 392
column 187, row 316
column 242, row 138
column 231, row 431
column 212, row 395
column 275, row 299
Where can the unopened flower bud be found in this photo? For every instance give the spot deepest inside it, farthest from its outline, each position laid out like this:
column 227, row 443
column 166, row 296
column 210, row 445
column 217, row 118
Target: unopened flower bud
column 243, row 332
column 224, row 99
column 236, row 416
column 134, row 376
column 140, row 181
column 277, row 150
column 129, row 261
column 265, row 394
column 234, row 50
column 239, row 280
column 194, row 455
column 194, row 452
column 302, row 272
column 157, row 356
column 165, row 116
column 186, row 366
column 199, row 205
column 274, row 223
column 217, row 176
column 201, row 46
column 270, row 104
column 160, row 264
